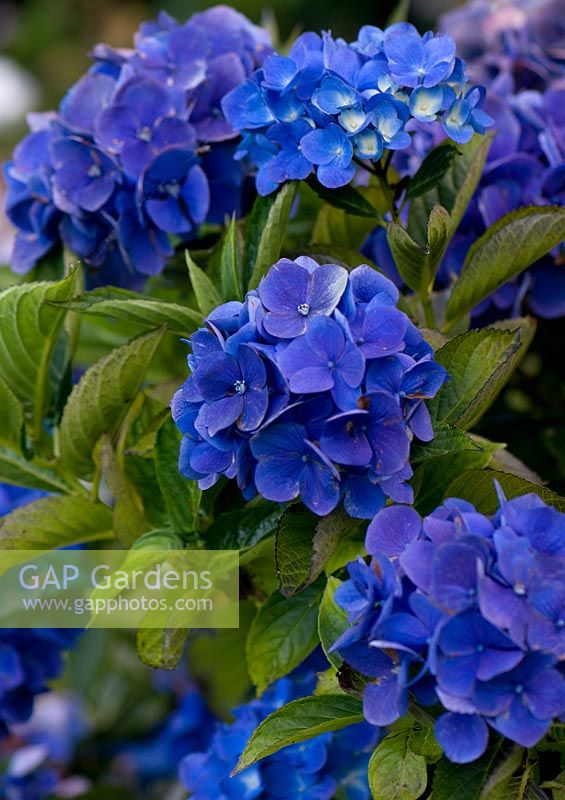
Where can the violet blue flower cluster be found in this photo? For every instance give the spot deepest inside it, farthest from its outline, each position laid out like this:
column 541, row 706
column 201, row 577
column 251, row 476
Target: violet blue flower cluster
column 311, row 388
column 517, row 48
column 330, row 103
column 29, row 658
column 139, row 150
column 312, row 770
column 464, row 611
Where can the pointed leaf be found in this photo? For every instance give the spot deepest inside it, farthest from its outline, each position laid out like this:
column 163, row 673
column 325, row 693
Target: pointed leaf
column 231, row 263
column 507, row 248
column 29, row 328
column 418, row 264
column 11, row 414
column 298, row 721
column 479, row 364
column 99, row 401
column 332, row 622
column 284, row 632
column 19, row 471
column 346, row 198
column 432, row 169
column 305, row 543
column 55, row 522
column 207, row 296
column 182, row 497
column 477, row 486
column 127, row 306
column 455, row 189
column 446, row 440
column 265, row 232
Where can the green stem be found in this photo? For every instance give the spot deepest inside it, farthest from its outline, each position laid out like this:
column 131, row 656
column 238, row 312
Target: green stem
column 429, row 315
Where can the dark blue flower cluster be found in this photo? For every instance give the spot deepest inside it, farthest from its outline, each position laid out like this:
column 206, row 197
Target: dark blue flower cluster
column 312, row 770
column 518, row 46
column 311, row 388
column 187, row 729
column 465, row 611
column 517, row 49
column 329, row 104
column 28, row 658
column 139, row 150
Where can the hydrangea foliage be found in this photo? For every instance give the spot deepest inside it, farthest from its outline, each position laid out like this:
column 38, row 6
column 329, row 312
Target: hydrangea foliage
column 464, row 611
column 139, row 149
column 312, row 770
column 311, row 388
column 329, row 103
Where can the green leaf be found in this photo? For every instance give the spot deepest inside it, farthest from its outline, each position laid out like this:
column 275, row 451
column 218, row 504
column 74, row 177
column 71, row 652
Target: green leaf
column 455, row 189
column 243, row 528
column 332, row 622
column 346, row 198
column 464, row 781
column 128, row 513
column 432, row 169
column 418, row 264
column 325, row 253
column 477, row 486
column 55, row 522
column 207, row 296
column 161, row 648
column 284, row 632
column 399, row 13
column 99, row 401
column 182, row 497
column 36, row 475
column 446, row 440
column 231, row 263
column 305, row 543
column 127, row 306
column 507, row 248
column 395, row 772
column 11, row 414
column 265, row 232
column 298, row 721
column 334, row 226
column 29, row 328
column 479, row 364
column 433, row 477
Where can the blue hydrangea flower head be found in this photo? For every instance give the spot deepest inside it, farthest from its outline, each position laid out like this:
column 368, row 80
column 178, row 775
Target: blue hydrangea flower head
column 139, row 150
column 329, row 105
column 515, row 47
column 475, row 620
column 312, row 388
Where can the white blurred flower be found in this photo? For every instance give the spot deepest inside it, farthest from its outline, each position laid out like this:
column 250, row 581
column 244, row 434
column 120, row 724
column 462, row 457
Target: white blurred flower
column 19, row 92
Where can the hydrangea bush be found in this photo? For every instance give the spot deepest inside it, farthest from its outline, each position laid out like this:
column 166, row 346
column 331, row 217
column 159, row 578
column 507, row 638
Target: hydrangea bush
column 401, row 576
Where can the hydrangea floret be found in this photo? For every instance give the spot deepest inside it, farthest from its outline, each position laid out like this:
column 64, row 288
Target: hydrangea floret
column 330, row 105
column 313, row 387
column 464, row 611
column 139, row 149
